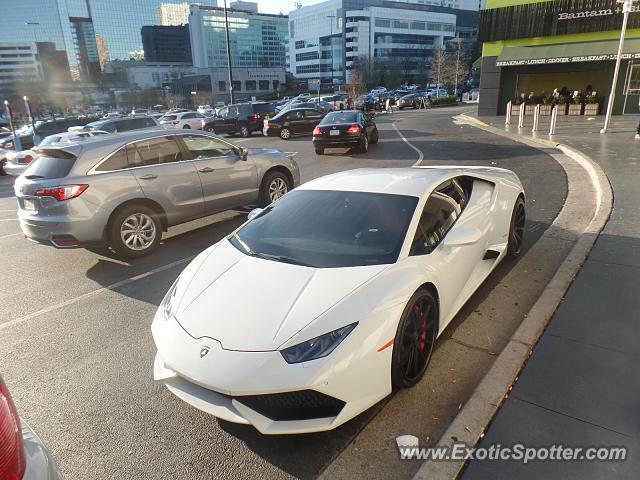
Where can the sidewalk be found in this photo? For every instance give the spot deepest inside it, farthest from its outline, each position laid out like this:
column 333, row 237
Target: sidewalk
column 581, row 386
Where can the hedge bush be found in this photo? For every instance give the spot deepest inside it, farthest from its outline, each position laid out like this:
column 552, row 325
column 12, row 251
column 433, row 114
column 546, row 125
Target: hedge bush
column 445, row 100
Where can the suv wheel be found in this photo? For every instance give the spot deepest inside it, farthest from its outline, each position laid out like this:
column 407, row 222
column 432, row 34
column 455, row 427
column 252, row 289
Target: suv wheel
column 186, row 126
column 209, row 128
column 285, row 133
column 135, row 231
column 2, row 172
column 274, row 185
column 244, row 131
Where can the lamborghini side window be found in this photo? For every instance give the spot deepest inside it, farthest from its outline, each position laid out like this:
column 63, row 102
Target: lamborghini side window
column 441, row 211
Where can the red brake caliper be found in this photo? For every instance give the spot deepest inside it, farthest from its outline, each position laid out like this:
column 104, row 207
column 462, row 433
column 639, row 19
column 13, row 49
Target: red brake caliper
column 423, row 336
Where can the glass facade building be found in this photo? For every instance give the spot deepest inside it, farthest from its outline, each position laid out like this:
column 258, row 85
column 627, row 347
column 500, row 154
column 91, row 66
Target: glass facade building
column 326, row 38
column 257, row 39
column 116, row 23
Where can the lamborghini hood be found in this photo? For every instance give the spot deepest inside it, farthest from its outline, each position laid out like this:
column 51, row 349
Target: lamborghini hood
column 252, row 304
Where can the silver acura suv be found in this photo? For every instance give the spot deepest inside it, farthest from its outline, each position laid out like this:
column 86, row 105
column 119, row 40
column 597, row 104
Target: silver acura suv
column 121, row 191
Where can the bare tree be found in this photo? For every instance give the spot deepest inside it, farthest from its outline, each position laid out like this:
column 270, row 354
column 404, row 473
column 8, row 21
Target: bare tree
column 439, row 68
column 360, row 69
column 459, row 64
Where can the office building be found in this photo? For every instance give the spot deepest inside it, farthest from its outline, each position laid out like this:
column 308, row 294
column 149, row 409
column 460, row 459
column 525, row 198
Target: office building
column 169, row 14
column 156, row 76
column 242, row 5
column 257, row 50
column 55, row 66
column 91, row 32
column 18, row 63
column 535, row 47
column 166, row 44
column 327, row 38
column 458, row 4
column 85, row 49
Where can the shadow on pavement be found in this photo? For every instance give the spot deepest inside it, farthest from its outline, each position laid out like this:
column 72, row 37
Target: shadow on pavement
column 184, row 243
column 303, row 456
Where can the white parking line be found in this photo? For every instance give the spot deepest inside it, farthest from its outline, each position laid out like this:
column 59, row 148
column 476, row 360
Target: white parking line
column 71, row 301
column 8, row 219
column 420, row 154
column 11, row 235
column 11, row 210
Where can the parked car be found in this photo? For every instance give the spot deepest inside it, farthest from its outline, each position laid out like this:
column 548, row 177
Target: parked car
column 205, row 110
column 347, row 128
column 18, row 162
column 409, row 101
column 297, row 121
column 436, row 92
column 118, row 125
column 121, row 191
column 242, row 118
column 140, row 111
column 332, row 298
column 337, row 101
column 399, row 94
column 43, row 130
column 23, row 456
column 367, row 102
column 187, row 120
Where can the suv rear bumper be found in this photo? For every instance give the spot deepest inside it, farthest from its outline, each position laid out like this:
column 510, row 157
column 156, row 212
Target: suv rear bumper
column 64, row 231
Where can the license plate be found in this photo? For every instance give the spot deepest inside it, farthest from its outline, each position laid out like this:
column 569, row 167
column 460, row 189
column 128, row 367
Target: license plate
column 29, row 204
column 334, row 133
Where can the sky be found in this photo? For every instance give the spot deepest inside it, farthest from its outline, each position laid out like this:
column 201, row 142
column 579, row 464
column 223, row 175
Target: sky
column 280, row 6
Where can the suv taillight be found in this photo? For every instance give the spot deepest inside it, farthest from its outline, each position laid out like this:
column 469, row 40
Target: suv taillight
column 255, row 117
column 12, row 455
column 353, row 130
column 26, row 159
column 61, row 193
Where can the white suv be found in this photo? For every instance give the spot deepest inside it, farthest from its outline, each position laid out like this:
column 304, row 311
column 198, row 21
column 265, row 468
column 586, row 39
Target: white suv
column 193, row 120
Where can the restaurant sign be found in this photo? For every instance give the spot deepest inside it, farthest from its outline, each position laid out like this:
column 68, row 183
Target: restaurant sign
column 595, row 13
column 573, row 59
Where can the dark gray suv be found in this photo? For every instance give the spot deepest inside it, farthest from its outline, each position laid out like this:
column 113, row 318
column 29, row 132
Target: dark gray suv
column 117, row 125
column 122, row 191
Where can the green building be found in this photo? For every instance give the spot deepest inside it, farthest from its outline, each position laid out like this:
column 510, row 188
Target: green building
column 536, row 47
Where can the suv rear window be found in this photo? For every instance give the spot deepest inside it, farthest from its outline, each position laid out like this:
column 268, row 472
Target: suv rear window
column 263, row 107
column 51, row 164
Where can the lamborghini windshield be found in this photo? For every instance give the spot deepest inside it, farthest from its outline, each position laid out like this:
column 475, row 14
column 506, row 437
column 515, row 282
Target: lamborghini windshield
column 328, row 229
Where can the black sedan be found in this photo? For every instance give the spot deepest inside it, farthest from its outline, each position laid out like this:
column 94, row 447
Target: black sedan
column 297, row 121
column 347, row 128
column 408, row 101
column 367, row 103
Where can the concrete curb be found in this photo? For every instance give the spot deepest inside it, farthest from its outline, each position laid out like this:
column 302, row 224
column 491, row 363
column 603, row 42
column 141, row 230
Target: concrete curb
column 473, row 419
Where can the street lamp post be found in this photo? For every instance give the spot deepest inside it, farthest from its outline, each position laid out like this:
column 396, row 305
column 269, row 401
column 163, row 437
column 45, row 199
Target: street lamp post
column 27, row 107
column 626, row 8
column 331, row 17
column 226, row 31
column 16, row 139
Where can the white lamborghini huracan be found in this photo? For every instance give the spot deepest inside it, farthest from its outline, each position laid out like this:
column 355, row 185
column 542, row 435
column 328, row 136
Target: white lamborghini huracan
column 323, row 302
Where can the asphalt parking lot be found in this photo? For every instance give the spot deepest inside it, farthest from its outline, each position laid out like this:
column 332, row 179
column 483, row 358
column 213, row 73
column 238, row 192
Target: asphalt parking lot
column 77, row 354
